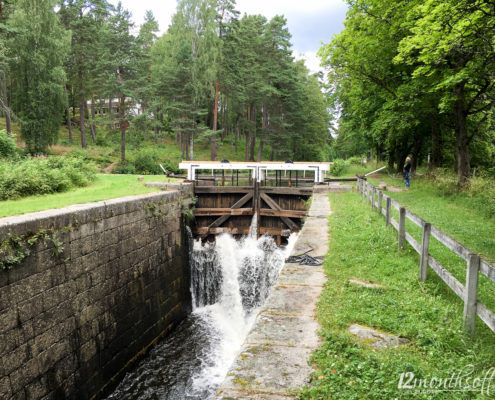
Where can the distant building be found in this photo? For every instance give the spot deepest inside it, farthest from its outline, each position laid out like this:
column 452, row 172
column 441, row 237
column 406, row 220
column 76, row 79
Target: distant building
column 102, row 107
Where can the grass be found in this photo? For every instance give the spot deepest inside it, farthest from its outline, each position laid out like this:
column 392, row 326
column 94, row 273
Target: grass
column 455, row 215
column 458, row 215
column 103, row 188
column 429, row 315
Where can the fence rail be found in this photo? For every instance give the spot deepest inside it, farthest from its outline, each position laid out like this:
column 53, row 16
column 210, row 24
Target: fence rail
column 474, row 263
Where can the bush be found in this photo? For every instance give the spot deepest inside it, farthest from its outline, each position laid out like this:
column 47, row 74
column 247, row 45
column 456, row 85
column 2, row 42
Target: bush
column 125, row 169
column 43, row 175
column 355, row 160
column 338, row 167
column 146, row 162
column 8, row 148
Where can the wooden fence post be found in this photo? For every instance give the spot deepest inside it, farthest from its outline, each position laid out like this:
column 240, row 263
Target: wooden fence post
column 387, row 214
column 425, row 248
column 402, row 227
column 373, row 195
column 369, row 192
column 380, row 199
column 364, row 188
column 471, row 293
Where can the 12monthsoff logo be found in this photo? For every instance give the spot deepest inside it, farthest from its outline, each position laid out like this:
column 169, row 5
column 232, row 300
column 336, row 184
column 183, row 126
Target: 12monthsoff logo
column 464, row 380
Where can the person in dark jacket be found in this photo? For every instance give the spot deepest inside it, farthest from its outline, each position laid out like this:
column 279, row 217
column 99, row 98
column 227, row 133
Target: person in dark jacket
column 407, row 172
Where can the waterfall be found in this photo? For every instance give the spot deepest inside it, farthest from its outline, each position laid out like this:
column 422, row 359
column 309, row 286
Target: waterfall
column 231, row 279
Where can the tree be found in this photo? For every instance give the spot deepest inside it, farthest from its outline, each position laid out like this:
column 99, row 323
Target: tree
column 119, row 63
column 452, row 41
column 85, row 19
column 37, row 51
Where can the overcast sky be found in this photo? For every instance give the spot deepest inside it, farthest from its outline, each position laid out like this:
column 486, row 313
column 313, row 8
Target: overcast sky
column 310, row 21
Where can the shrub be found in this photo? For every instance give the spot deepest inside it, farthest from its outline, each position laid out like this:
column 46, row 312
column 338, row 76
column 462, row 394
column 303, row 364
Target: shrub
column 355, row 160
column 125, row 169
column 338, row 167
column 146, row 162
column 43, row 175
column 8, row 148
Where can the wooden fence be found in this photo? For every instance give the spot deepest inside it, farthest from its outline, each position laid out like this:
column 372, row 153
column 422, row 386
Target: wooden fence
column 475, row 264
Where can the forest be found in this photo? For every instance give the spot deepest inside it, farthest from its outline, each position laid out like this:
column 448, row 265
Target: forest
column 212, row 76
column 403, row 78
column 416, row 77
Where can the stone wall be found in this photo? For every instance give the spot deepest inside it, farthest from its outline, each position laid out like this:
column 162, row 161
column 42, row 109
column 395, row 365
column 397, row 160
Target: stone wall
column 89, row 289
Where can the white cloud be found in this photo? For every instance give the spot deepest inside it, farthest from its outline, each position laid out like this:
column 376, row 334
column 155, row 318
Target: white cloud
column 309, row 21
column 311, row 60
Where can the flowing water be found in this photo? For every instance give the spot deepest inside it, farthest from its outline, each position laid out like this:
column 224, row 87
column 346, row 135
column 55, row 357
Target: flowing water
column 230, row 280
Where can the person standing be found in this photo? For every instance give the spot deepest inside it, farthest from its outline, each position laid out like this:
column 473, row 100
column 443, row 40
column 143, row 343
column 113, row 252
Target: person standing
column 407, row 173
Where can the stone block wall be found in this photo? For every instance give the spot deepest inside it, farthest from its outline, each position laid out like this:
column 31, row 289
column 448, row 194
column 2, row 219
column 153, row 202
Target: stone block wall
column 90, row 287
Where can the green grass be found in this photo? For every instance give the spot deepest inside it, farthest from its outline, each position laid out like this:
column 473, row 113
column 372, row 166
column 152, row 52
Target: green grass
column 458, row 215
column 429, row 315
column 103, row 188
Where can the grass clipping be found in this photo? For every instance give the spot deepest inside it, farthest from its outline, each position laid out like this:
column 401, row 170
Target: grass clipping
column 429, row 315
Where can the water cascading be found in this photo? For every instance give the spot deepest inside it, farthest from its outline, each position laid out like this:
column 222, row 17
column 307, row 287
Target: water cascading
column 230, row 280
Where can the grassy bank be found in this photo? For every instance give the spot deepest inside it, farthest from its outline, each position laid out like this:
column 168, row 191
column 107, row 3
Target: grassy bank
column 429, row 315
column 103, row 188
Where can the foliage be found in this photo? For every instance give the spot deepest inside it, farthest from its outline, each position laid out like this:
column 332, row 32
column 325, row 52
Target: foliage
column 338, row 167
column 429, row 315
column 42, row 175
column 8, row 148
column 40, row 46
column 415, row 77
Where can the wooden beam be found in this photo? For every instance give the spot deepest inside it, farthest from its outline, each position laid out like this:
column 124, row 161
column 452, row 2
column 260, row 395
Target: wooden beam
column 213, row 212
column 273, row 205
column 204, row 231
column 295, row 191
column 268, row 212
column 222, row 189
column 238, row 204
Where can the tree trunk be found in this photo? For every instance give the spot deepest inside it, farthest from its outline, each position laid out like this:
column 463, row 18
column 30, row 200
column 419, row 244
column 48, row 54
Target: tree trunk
column 415, row 153
column 215, row 121
column 390, row 160
column 155, row 128
column 191, row 146
column 253, row 138
column 272, row 154
column 461, row 138
column 93, row 125
column 436, row 144
column 122, row 129
column 93, row 133
column 109, row 106
column 5, row 100
column 67, row 113
column 82, row 107
column 260, row 151
column 247, row 146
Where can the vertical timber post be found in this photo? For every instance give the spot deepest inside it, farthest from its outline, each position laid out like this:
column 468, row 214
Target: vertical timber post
column 363, row 188
column 402, row 227
column 380, row 201
column 373, row 195
column 425, row 248
column 256, row 202
column 387, row 211
column 471, row 293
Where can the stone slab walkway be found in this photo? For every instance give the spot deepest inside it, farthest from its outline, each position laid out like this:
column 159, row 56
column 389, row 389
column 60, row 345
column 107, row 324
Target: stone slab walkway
column 273, row 361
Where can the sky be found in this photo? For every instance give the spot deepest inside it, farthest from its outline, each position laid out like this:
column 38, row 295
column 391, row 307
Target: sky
column 309, row 21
